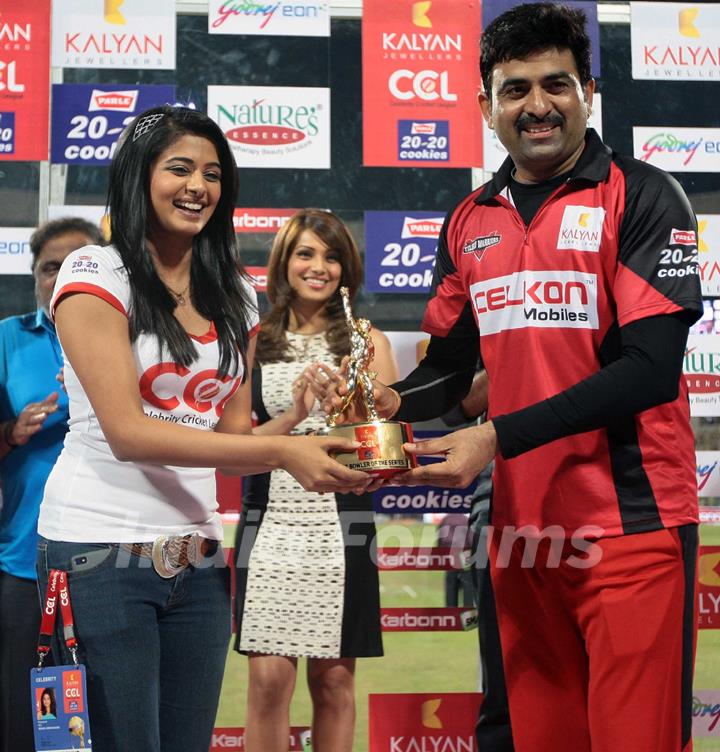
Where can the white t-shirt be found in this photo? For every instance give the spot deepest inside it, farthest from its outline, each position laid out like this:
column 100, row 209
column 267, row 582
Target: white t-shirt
column 91, row 496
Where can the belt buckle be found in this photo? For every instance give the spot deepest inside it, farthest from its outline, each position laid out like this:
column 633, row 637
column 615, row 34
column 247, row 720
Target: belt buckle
column 172, row 553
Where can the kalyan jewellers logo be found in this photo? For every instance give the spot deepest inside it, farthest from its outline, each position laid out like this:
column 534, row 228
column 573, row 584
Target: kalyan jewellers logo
column 266, row 124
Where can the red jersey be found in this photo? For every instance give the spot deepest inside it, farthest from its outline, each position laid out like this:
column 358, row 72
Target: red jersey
column 613, row 244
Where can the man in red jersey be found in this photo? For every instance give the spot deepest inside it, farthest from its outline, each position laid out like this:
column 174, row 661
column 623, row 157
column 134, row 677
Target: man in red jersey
column 578, row 269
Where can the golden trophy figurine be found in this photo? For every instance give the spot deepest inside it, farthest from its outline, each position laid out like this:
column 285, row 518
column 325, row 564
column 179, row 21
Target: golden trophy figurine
column 381, row 453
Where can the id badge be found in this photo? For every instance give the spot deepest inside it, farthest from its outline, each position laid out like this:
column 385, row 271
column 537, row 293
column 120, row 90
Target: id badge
column 59, row 707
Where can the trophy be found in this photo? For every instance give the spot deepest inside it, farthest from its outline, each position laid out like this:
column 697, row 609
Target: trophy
column 381, row 453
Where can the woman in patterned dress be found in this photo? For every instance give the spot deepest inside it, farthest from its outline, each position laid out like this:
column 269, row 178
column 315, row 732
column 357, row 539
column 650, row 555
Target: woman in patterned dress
column 307, row 583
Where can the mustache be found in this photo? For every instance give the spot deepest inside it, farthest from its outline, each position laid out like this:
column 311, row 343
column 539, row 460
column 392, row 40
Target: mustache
column 528, row 118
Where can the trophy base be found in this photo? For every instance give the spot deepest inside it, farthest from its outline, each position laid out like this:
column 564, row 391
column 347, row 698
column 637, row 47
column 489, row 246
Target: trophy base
column 381, row 454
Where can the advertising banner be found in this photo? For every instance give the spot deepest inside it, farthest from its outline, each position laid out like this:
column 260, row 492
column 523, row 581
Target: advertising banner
column 706, row 713
column 87, row 119
column 491, row 9
column 409, row 349
column 258, row 277
column 675, row 41
column 261, row 220
column 708, row 473
column 423, row 722
column 114, row 34
column 709, row 588
column 274, row 126
column 24, row 80
column 234, row 738
column 495, row 153
column 15, row 256
column 400, row 250
column 280, row 18
column 678, row 149
column 420, row 84
column 709, row 253
column 702, row 373
column 414, row 558
column 439, row 619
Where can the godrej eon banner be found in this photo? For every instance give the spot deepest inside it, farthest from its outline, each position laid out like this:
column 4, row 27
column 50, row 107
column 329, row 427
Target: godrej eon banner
column 87, row 119
column 282, row 18
column 24, row 79
column 420, row 83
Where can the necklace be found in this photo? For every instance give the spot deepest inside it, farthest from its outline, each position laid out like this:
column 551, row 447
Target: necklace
column 180, row 298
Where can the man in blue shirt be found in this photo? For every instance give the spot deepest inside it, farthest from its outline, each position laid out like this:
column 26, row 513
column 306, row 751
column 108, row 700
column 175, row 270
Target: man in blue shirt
column 33, row 422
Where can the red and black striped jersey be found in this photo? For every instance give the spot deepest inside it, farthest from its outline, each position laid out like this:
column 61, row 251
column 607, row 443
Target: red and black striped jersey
column 615, row 243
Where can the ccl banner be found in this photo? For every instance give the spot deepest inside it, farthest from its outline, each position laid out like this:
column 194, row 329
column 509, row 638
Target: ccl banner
column 87, row 119
column 420, row 83
column 443, row 721
column 400, row 250
column 675, row 41
column 709, row 587
column 282, row 18
column 113, row 34
column 24, row 80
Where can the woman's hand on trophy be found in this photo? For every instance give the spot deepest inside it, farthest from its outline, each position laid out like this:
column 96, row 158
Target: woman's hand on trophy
column 465, row 453
column 309, row 459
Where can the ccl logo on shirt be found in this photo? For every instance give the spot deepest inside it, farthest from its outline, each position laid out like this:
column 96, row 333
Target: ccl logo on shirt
column 166, row 385
column 548, row 299
column 581, row 228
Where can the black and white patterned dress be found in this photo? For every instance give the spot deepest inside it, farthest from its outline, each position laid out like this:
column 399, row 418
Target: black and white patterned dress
column 307, row 583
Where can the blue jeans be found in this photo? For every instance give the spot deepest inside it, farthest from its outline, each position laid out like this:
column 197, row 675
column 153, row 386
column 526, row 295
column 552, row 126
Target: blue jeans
column 154, row 649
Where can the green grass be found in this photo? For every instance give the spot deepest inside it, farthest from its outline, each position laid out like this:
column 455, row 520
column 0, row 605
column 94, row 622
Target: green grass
column 435, row 661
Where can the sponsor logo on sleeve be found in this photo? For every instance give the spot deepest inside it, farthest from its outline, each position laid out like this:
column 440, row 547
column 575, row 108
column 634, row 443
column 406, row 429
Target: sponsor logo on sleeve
column 581, row 228
column 478, row 246
column 683, row 237
column 548, row 299
column 680, row 259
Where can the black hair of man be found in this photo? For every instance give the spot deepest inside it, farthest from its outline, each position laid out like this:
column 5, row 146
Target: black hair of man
column 531, row 28
column 57, row 227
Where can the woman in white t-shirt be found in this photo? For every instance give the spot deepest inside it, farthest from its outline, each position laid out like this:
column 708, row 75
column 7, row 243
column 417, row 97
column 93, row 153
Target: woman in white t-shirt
column 157, row 331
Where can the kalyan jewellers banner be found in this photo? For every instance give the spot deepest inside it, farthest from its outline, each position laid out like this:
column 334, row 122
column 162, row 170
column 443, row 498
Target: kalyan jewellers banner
column 420, row 84
column 709, row 254
column 24, row 79
column 113, row 34
column 443, row 721
column 675, row 41
column 709, row 587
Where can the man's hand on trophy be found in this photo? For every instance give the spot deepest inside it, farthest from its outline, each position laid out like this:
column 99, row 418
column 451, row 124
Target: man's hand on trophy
column 465, row 453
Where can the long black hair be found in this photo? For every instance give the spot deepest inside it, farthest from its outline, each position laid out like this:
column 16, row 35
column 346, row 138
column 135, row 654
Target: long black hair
column 216, row 272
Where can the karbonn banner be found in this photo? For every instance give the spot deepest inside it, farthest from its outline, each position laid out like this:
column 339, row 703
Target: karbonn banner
column 436, row 559
column 234, row 738
column 87, row 119
column 420, row 83
column 428, row 619
column 442, row 721
column 709, row 590
column 261, row 220
column 24, row 79
column 400, row 250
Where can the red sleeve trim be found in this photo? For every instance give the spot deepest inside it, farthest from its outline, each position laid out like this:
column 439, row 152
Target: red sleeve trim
column 653, row 309
column 254, row 331
column 89, row 289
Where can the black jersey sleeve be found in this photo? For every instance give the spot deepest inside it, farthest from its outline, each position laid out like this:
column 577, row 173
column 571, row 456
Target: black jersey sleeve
column 443, row 377
column 657, row 269
column 646, row 374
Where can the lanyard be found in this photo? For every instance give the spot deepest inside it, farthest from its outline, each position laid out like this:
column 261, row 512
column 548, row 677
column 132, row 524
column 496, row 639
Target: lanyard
column 57, row 588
